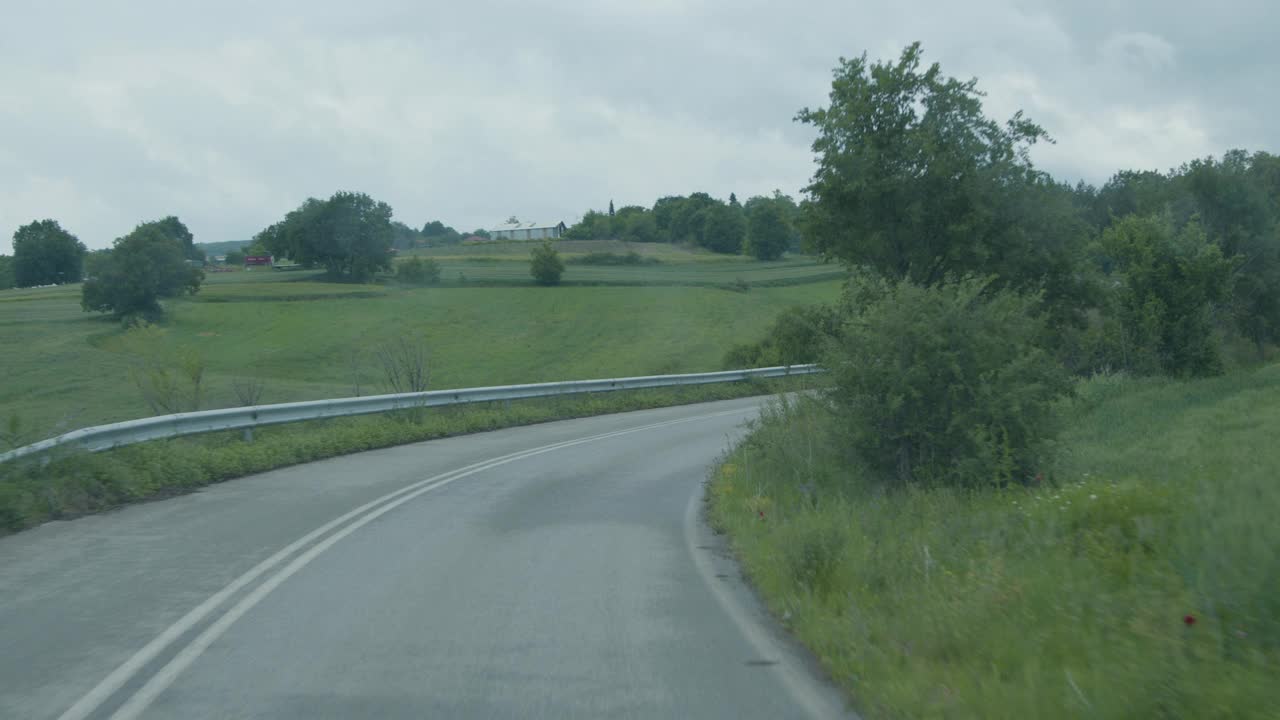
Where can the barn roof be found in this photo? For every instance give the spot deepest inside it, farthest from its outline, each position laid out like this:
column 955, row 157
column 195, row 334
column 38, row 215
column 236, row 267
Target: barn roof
column 525, row 226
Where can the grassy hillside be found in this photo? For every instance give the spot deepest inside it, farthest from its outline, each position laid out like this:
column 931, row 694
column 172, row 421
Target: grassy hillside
column 1140, row 580
column 61, row 365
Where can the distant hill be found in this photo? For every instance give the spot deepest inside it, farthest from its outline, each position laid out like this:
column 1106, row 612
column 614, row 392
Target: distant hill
column 222, row 248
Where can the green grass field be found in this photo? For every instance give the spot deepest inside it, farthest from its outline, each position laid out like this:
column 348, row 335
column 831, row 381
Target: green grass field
column 1141, row 580
column 63, row 368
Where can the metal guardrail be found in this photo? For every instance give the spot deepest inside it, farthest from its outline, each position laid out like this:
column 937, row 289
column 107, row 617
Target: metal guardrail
column 129, row 432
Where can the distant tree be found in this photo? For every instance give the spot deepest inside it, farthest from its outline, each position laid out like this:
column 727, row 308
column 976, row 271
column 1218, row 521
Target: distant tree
column 513, row 220
column 640, row 227
column 143, row 267
column 481, row 232
column 6, row 272
column 724, row 229
column 418, row 271
column 611, row 208
column 45, row 254
column 688, row 218
column 174, row 228
column 545, row 265
column 768, row 229
column 437, row 233
column 594, row 225
column 733, row 200
column 235, row 257
column 349, row 234
column 663, row 213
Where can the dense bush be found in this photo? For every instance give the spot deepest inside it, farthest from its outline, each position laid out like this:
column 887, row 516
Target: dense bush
column 418, row 271
column 609, row 258
column 545, row 265
column 945, row 384
column 798, row 336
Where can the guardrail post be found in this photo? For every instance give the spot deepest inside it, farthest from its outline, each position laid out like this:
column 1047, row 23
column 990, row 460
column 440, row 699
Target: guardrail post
column 247, row 434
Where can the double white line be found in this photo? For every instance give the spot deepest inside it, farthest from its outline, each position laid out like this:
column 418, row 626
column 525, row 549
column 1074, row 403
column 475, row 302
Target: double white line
column 136, row 704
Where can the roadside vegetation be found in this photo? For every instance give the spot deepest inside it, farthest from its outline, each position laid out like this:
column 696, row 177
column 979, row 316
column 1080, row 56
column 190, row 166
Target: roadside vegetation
column 1040, row 483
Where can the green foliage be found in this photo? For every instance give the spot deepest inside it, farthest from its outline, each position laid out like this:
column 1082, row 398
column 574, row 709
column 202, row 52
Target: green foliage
column 1062, row 600
column 798, row 336
column 174, row 229
column 437, row 233
column 946, row 384
column 143, row 267
column 724, row 229
column 768, row 229
column 1170, row 282
column 350, row 235
column 7, row 277
column 545, row 264
column 916, row 183
column 418, row 271
column 45, row 254
column 235, row 257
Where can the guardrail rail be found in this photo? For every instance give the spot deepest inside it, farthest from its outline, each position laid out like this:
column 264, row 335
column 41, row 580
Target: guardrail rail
column 129, row 432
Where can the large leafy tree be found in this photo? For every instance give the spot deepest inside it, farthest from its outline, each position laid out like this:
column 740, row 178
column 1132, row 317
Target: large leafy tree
column 917, row 183
column 350, row 235
column 174, row 228
column 144, row 266
column 45, row 254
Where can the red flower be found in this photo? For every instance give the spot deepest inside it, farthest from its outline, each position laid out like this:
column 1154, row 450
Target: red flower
column 761, row 514
column 1189, row 620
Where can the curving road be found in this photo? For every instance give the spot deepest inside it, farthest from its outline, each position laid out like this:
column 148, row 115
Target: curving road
column 560, row 570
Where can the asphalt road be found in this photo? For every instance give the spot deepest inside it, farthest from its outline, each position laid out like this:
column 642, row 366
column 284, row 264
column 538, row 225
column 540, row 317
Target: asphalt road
column 560, row 571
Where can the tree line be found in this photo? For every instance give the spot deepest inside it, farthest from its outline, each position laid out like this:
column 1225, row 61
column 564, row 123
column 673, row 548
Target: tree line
column 763, row 227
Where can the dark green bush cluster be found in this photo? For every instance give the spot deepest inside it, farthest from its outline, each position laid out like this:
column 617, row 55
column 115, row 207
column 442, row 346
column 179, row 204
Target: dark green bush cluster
column 946, row 384
column 609, row 258
column 545, row 265
column 418, row 271
column 798, row 336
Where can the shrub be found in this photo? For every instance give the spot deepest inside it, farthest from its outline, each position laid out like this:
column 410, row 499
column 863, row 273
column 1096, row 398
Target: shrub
column 798, row 336
column 545, row 265
column 946, row 384
column 418, row 271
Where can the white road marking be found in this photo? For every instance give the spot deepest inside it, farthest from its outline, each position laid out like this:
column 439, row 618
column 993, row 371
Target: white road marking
column 138, row 703
column 816, row 700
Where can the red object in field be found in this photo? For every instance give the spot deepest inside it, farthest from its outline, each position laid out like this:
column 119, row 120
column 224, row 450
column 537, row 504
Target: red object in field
column 257, row 260
column 1189, row 620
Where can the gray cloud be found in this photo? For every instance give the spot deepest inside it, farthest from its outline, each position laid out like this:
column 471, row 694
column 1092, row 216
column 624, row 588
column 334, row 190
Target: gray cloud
column 229, row 114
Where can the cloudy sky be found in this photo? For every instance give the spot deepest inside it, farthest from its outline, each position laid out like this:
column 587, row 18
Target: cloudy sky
column 230, row 113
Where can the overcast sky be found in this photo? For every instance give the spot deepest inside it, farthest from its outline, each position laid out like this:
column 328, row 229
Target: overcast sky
column 230, row 113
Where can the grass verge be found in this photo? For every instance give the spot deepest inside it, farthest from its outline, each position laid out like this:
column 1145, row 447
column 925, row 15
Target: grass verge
column 1141, row 579
column 78, row 483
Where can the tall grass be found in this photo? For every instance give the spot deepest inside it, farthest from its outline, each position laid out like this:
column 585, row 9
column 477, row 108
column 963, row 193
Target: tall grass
column 1139, row 578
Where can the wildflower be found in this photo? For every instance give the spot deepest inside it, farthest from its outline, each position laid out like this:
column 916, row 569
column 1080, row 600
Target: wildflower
column 1093, row 497
column 1189, row 620
column 761, row 514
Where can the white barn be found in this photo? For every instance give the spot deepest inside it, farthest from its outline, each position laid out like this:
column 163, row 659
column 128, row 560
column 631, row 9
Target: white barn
column 527, row 231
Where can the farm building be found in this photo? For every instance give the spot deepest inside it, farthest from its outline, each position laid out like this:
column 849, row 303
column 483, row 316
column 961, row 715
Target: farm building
column 527, row 231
